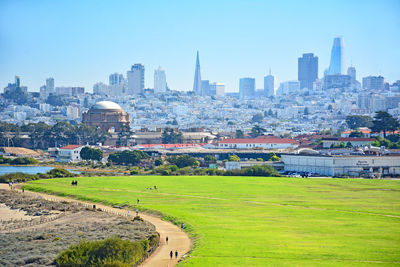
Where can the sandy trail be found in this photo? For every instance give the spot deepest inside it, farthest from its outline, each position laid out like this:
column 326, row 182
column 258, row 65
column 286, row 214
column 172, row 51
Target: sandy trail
column 178, row 240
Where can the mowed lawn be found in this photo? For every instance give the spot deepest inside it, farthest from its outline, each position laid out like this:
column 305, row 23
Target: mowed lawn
column 261, row 221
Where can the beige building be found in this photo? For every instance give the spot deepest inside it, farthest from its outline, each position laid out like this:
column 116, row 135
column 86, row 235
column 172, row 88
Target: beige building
column 107, row 115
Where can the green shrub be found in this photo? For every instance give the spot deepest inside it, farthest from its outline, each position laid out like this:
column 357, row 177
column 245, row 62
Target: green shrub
column 20, row 161
column 4, row 160
column 18, row 177
column 113, row 251
column 257, row 170
column 59, row 173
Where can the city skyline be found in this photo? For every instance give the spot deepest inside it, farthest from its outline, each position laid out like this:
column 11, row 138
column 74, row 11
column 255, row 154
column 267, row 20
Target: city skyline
column 73, row 54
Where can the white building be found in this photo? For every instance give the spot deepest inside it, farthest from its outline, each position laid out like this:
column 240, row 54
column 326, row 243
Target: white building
column 100, row 89
column 72, row 112
column 351, row 165
column 160, row 81
column 69, row 153
column 266, row 143
column 269, row 85
column 135, row 80
column 288, row 87
column 217, row 89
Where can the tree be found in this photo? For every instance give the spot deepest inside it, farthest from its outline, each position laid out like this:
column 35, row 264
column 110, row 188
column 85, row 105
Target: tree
column 356, row 121
column 128, row 157
column 158, row 162
column 210, row 159
column 124, row 135
column 170, row 136
column 183, row 161
column 88, row 153
column 257, row 118
column 239, row 134
column 55, row 100
column 383, row 121
column 273, row 157
column 256, row 131
column 234, row 158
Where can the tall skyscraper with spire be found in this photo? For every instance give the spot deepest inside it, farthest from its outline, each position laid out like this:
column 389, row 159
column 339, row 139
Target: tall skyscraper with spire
column 197, row 77
column 338, row 65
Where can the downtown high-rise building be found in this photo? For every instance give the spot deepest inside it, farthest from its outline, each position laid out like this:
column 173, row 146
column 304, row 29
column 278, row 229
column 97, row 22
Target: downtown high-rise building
column 135, row 80
column 307, row 70
column 50, row 85
column 338, row 64
column 269, row 85
column 116, row 85
column 47, row 89
column 197, row 77
column 373, row 83
column 205, row 87
column 351, row 71
column 160, row 81
column 247, row 88
column 115, row 79
column 216, row 89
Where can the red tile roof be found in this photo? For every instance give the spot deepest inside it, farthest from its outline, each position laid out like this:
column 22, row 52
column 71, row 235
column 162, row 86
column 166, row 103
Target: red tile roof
column 171, row 145
column 259, row 141
column 71, row 147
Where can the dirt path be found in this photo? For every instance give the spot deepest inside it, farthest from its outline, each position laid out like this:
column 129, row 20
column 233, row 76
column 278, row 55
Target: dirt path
column 177, row 239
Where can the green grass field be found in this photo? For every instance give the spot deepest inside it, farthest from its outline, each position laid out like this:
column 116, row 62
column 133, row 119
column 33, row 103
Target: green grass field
column 257, row 221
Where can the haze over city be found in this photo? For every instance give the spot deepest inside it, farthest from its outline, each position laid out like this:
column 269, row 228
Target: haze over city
column 81, row 43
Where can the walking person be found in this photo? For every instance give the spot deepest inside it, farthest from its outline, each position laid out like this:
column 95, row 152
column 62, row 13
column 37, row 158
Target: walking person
column 171, row 254
column 166, row 240
column 137, row 212
column 137, row 201
column 176, row 254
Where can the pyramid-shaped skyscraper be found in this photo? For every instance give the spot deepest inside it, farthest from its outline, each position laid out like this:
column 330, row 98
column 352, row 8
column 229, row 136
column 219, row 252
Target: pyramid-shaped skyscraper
column 197, row 76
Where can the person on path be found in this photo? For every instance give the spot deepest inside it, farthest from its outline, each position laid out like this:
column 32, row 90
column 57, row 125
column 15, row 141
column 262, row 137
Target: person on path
column 171, row 254
column 137, row 212
column 166, row 239
column 181, row 225
column 176, row 254
column 23, row 190
column 137, row 201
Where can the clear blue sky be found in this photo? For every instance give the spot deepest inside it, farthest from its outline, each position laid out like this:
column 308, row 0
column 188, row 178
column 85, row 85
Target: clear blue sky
column 80, row 43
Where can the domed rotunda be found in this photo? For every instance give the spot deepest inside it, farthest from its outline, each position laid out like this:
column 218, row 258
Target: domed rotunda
column 107, row 115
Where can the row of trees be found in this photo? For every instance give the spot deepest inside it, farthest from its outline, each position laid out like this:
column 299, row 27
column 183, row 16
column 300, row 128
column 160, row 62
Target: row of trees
column 382, row 122
column 42, row 135
column 128, row 157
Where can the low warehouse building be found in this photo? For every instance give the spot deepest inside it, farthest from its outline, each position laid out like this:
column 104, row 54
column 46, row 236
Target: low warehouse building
column 338, row 165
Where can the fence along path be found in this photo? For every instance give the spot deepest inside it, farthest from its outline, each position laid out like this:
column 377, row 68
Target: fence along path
column 178, row 240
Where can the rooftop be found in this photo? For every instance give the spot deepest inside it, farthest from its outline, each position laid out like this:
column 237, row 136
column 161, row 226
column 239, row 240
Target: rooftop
column 106, row 105
column 70, row 147
column 259, row 141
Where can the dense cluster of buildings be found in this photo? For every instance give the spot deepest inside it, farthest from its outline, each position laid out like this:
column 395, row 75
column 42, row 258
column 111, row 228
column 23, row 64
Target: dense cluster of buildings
column 285, row 112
